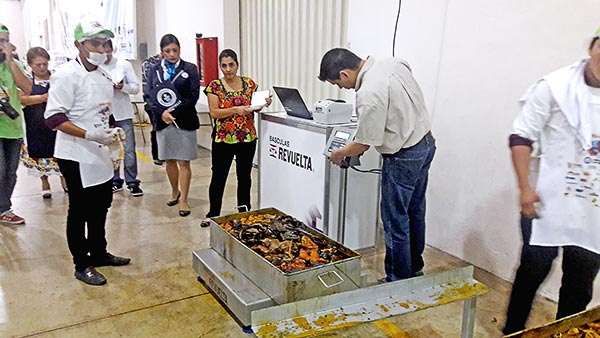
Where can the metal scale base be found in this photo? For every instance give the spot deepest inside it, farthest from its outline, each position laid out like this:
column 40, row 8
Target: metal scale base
column 236, row 291
column 258, row 313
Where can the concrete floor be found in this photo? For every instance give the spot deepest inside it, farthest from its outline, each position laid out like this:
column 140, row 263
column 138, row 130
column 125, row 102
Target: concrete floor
column 158, row 295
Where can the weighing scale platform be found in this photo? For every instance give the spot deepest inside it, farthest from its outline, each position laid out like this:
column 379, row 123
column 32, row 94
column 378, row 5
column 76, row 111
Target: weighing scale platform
column 234, row 289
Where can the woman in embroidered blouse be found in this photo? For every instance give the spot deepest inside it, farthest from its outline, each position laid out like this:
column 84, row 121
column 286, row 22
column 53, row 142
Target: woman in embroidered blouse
column 38, row 153
column 176, row 126
column 234, row 133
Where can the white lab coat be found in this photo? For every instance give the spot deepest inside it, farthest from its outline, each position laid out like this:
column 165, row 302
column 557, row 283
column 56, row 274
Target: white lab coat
column 559, row 114
column 85, row 97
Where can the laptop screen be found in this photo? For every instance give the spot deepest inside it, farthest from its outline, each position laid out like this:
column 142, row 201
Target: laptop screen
column 292, row 102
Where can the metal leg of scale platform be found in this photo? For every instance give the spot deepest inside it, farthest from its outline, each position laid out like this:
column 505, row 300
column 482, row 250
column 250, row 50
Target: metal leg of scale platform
column 245, row 328
column 468, row 322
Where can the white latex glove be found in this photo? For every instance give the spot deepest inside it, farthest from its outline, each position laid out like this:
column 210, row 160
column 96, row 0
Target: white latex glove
column 103, row 136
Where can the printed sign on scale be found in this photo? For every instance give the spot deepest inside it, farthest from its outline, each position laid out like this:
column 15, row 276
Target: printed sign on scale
column 292, row 172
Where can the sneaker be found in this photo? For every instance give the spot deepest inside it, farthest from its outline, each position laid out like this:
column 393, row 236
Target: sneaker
column 136, row 191
column 9, row 218
column 90, row 276
column 110, row 260
column 117, row 188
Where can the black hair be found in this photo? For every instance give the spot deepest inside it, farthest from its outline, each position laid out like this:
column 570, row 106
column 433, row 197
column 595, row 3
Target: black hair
column 228, row 53
column 37, row 52
column 109, row 43
column 593, row 41
column 168, row 39
column 336, row 60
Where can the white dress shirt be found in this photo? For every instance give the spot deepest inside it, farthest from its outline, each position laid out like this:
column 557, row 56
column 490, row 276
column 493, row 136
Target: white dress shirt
column 121, row 70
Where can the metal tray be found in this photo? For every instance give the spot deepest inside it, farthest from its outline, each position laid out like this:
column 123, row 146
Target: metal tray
column 559, row 326
column 285, row 287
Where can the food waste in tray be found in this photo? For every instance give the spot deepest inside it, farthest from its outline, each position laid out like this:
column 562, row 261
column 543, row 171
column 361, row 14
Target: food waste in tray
column 590, row 330
column 282, row 241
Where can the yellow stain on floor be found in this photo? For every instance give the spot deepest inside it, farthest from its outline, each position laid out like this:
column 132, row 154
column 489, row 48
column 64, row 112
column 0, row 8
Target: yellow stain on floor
column 390, row 329
column 143, row 157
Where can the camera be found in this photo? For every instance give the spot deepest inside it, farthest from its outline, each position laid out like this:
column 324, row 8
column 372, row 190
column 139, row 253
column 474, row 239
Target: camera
column 8, row 109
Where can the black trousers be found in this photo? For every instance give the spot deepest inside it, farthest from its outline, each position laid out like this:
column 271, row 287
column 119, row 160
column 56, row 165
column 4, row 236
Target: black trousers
column 222, row 157
column 579, row 267
column 87, row 206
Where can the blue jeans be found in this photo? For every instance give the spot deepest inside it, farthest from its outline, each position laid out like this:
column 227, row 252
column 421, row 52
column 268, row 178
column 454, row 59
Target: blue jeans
column 129, row 160
column 10, row 154
column 403, row 186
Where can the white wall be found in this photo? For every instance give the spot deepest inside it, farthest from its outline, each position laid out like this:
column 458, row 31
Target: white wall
column 211, row 18
column 11, row 17
column 474, row 60
column 186, row 18
column 418, row 40
column 146, row 29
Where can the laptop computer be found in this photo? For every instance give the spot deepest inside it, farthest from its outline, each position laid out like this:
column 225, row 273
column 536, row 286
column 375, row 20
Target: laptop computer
column 292, row 102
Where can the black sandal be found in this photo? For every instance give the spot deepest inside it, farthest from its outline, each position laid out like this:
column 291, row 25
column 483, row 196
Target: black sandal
column 175, row 201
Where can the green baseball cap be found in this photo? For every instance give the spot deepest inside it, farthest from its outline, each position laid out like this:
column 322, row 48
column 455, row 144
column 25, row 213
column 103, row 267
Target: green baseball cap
column 597, row 34
column 3, row 29
column 91, row 29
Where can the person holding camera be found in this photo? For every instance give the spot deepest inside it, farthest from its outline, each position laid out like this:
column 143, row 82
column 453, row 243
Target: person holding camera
column 11, row 125
column 79, row 107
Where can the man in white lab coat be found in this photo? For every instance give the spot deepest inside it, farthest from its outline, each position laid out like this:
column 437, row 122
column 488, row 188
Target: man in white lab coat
column 559, row 196
column 78, row 107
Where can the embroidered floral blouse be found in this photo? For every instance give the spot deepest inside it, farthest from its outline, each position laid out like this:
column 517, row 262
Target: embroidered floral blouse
column 236, row 128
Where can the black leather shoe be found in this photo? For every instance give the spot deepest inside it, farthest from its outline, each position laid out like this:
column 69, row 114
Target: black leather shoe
column 205, row 223
column 110, row 260
column 90, row 276
column 382, row 280
column 175, row 201
column 184, row 213
column 418, row 273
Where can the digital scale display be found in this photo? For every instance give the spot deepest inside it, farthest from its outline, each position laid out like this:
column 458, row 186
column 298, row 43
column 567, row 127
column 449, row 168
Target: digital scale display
column 342, row 134
column 339, row 138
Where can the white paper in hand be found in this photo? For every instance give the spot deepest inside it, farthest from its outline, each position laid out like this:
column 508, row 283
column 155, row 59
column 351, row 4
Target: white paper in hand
column 258, row 99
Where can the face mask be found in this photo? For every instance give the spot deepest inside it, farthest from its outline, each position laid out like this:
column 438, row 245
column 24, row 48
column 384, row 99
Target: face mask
column 95, row 58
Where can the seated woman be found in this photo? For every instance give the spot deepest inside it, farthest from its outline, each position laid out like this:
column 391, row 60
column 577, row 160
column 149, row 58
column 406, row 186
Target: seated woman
column 175, row 88
column 234, row 133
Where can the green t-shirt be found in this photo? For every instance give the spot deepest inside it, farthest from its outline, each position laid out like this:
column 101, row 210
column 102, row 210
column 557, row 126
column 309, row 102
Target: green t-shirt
column 10, row 128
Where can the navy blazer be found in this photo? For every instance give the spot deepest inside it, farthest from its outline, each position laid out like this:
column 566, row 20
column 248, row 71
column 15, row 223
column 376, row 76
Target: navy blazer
column 188, row 87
